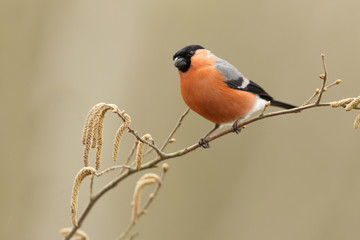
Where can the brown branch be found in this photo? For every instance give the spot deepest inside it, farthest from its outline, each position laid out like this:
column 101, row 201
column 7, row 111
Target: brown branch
column 133, row 132
column 163, row 156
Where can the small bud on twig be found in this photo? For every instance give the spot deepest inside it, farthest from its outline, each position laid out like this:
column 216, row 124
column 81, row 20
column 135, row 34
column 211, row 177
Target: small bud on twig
column 165, row 167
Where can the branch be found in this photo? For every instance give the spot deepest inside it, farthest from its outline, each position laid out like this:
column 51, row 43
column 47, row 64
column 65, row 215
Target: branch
column 163, row 156
column 126, row 170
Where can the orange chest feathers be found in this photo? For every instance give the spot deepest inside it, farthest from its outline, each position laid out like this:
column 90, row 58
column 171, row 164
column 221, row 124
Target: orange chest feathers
column 205, row 92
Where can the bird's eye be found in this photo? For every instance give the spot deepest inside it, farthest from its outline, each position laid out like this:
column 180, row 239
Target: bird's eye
column 191, row 53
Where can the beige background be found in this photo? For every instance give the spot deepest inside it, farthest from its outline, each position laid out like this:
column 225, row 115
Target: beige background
column 291, row 177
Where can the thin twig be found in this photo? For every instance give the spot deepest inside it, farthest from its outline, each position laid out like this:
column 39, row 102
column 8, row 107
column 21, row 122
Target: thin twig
column 131, row 153
column 168, row 140
column 175, row 128
column 112, row 168
column 324, row 77
column 91, row 185
column 337, row 82
column 312, row 97
column 317, row 91
column 150, row 149
column 133, row 132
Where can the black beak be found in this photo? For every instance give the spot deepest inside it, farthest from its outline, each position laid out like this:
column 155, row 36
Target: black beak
column 180, row 62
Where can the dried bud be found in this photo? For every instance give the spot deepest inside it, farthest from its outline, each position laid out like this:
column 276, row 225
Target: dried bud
column 317, row 90
column 172, row 140
column 322, row 76
column 338, row 81
column 165, row 167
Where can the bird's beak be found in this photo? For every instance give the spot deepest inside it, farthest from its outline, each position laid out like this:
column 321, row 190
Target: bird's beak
column 179, row 62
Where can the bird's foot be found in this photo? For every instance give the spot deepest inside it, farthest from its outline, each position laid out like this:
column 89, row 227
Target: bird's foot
column 203, row 143
column 235, row 128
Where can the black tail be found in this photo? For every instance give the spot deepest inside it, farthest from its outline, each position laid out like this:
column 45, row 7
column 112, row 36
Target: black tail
column 281, row 104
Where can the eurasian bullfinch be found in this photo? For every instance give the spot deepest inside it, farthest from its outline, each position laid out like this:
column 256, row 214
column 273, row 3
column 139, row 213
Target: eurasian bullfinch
column 216, row 90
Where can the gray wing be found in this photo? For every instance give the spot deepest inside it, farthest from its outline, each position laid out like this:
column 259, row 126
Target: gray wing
column 235, row 79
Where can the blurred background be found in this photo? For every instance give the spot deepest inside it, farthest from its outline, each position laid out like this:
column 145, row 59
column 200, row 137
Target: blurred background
column 289, row 177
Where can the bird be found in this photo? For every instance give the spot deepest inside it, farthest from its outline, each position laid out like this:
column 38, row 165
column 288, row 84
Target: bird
column 218, row 91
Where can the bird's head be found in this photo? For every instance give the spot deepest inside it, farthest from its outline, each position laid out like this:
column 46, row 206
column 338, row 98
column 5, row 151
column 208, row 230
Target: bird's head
column 182, row 58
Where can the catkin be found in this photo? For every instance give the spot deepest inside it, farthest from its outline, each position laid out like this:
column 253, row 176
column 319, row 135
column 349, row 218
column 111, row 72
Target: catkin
column 353, row 104
column 140, row 149
column 146, row 179
column 341, row 103
column 357, row 121
column 119, row 134
column 89, row 130
column 85, row 171
column 99, row 132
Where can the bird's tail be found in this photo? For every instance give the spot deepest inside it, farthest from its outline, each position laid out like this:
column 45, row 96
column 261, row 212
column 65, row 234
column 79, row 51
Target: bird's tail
column 281, row 104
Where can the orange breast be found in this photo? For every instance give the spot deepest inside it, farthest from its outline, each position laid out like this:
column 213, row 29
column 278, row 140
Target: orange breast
column 205, row 92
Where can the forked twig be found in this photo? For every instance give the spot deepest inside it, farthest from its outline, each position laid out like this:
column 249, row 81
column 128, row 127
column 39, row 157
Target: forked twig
column 324, row 78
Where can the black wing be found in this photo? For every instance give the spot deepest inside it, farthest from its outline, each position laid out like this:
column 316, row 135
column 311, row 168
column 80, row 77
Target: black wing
column 245, row 84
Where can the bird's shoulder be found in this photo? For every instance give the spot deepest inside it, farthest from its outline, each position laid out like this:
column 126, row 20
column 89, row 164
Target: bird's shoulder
column 236, row 80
